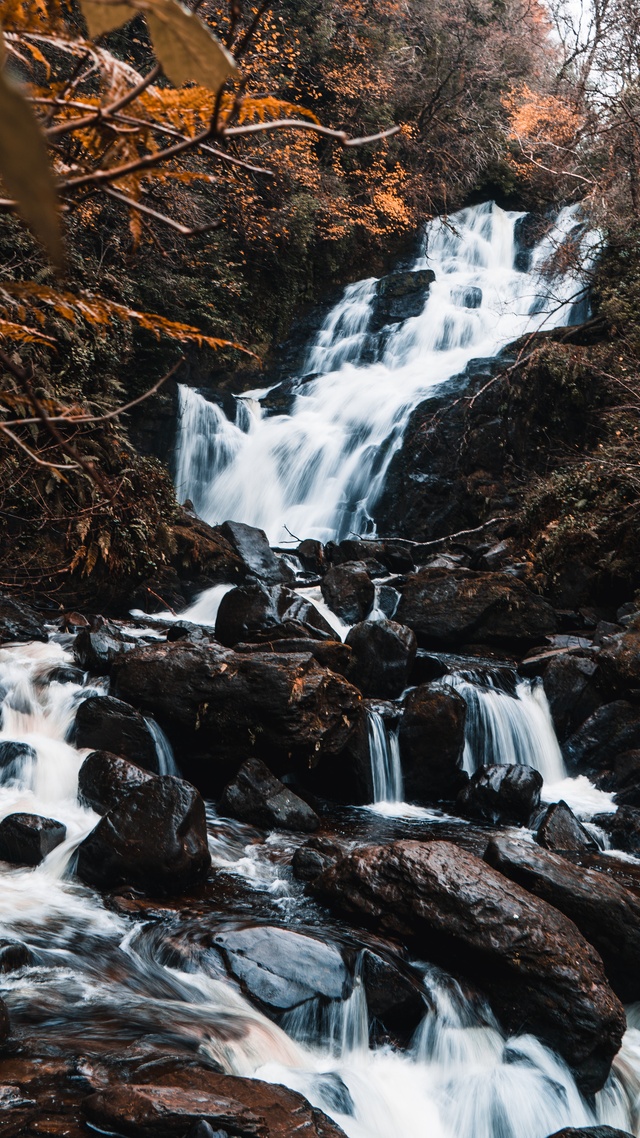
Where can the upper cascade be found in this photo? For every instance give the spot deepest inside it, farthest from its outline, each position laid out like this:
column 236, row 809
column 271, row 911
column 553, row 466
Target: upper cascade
column 318, row 470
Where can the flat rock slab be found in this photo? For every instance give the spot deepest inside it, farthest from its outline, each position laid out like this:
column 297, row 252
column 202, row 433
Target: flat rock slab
column 284, row 968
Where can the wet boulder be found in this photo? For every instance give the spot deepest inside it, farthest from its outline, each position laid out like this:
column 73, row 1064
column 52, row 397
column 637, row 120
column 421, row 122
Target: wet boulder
column 252, row 547
column 394, row 992
column 107, row 724
column 623, row 778
column 399, row 296
column 27, row 839
column 154, row 839
column 19, row 622
column 569, row 684
column 15, row 955
column 540, row 972
column 331, row 654
column 349, row 591
column 256, row 796
column 619, row 661
column 607, row 914
column 257, row 611
column 432, row 743
column 559, row 829
column 219, row 707
column 97, row 645
column 247, row 1108
column 611, row 730
column 591, row 1132
column 449, row 607
column 507, row 793
column 281, row 968
column 105, row 779
column 15, row 758
column 312, row 556
column 383, row 656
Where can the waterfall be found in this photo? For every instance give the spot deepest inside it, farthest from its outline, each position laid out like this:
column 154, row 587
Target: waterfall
column 508, row 722
column 164, row 751
column 318, row 470
column 384, row 753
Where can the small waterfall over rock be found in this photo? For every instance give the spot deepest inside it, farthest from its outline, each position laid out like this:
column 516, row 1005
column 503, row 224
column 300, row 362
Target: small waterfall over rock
column 508, row 721
column 384, row 753
column 318, row 470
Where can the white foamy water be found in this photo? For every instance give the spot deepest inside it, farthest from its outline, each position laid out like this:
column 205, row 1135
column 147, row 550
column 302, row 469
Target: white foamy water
column 319, row 470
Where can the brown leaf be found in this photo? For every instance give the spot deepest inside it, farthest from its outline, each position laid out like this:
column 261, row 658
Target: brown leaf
column 105, row 15
column 25, row 170
column 187, row 50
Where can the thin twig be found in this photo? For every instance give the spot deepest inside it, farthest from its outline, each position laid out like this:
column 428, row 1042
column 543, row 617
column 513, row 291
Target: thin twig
column 183, row 229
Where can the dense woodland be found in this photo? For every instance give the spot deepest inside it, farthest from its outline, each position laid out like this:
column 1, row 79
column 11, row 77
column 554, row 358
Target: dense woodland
column 226, row 241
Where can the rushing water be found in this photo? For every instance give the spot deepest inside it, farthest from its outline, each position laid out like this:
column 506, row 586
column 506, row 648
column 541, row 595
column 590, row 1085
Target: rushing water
column 384, row 752
column 319, row 470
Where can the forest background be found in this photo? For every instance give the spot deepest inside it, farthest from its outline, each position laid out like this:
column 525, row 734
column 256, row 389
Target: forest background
column 228, row 241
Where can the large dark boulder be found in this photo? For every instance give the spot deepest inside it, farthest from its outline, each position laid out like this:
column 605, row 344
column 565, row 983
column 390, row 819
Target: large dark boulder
column 247, row 1108
column 15, row 955
column 282, row 968
column 26, row 839
column 591, row 1132
column 220, row 707
column 432, row 743
column 623, row 777
column 258, row 797
column 569, row 684
column 259, row 560
column 383, row 656
column 606, row 913
column 399, row 296
column 611, row 730
column 107, row 724
column 260, row 611
column 97, row 645
column 509, row 794
column 540, row 972
column 105, row 779
column 349, row 591
column 154, row 840
column 18, row 622
column 559, row 829
column 449, row 607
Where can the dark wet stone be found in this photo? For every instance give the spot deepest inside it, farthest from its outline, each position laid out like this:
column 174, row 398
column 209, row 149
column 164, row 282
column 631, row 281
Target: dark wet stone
column 107, row 724
column 431, row 744
column 570, row 689
column 14, row 758
column 508, row 793
column 14, row 955
column 400, row 296
column 559, row 829
column 312, row 556
column 18, row 622
column 97, row 646
column 253, row 549
column 259, row 611
column 383, row 656
column 26, row 839
column 258, row 797
column 105, row 779
column 591, row 1132
column 155, row 840
column 611, row 730
column 349, row 591
column 607, row 914
column 282, row 968
column 623, row 828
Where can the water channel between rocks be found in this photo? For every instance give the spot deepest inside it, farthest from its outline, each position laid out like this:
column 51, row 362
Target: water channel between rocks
column 171, row 979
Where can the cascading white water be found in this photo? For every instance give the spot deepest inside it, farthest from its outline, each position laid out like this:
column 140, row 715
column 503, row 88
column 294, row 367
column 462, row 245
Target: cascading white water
column 384, row 754
column 319, row 470
column 508, row 726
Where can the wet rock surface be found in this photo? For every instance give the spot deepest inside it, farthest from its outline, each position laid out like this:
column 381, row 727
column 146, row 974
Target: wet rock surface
column 447, row 608
column 611, row 730
column 26, row 839
column 107, row 724
column 349, row 591
column 19, row 622
column 258, row 797
column 257, row 611
column 431, row 744
column 282, row 968
column 452, row 905
column 219, row 707
column 607, row 914
column 105, row 779
column 154, row 839
column 383, row 653
column 569, row 684
column 508, row 793
column 252, row 547
column 559, row 829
